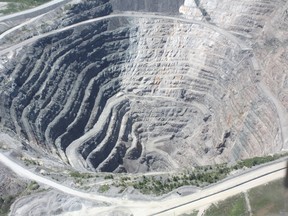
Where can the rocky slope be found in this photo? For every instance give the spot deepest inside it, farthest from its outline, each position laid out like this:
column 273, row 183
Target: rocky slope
column 144, row 92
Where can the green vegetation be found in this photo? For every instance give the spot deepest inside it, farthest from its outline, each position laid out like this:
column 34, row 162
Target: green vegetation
column 28, row 162
column 194, row 213
column 110, row 176
column 76, row 174
column 257, row 161
column 5, row 203
column 200, row 176
column 20, row 5
column 233, row 206
column 269, row 199
column 104, row 188
column 80, row 175
column 7, row 200
column 33, row 186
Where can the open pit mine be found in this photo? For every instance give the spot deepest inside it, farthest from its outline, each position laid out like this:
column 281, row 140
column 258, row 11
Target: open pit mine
column 135, row 107
column 150, row 88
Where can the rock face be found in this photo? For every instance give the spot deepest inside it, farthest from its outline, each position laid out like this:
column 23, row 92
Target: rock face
column 160, row 6
column 144, row 92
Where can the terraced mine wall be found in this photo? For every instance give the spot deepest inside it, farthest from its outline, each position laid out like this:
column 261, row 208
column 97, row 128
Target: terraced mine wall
column 161, row 6
column 138, row 94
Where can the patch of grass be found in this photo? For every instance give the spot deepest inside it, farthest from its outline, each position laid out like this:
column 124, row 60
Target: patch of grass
column 233, row 206
column 269, row 199
column 103, row 188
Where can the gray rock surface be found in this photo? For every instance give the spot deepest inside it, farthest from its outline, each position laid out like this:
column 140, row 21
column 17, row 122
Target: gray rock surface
column 146, row 93
column 11, row 186
column 49, row 203
column 161, row 6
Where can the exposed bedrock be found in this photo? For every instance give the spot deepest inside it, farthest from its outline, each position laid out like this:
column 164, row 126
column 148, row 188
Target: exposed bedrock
column 263, row 25
column 137, row 95
column 161, row 6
